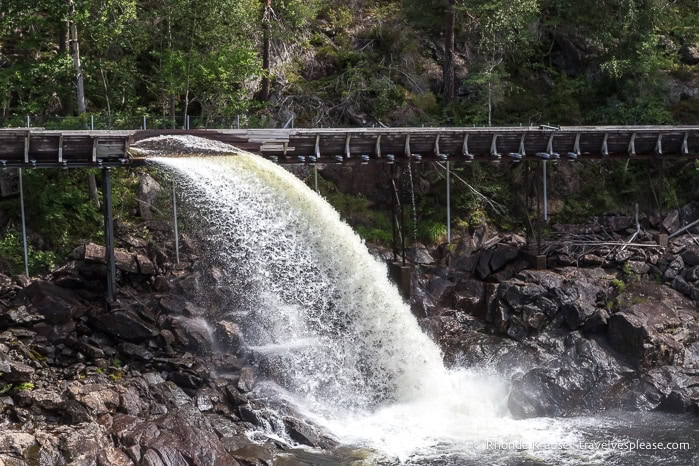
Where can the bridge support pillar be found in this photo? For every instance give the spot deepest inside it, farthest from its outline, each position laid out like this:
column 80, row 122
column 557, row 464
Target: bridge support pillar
column 448, row 203
column 109, row 233
column 24, row 222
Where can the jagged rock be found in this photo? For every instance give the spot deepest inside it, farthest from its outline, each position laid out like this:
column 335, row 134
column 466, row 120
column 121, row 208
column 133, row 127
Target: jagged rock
column 19, row 316
column 173, row 305
column 305, row 434
column 469, row 296
column 502, row 255
column 16, row 444
column 23, row 281
column 674, row 268
column 124, row 325
column 13, row 371
column 652, row 326
column 420, row 255
column 692, row 275
column 682, row 286
column 689, row 53
column 228, row 335
column 467, row 263
column 616, row 223
column 690, row 256
column 97, row 398
column 671, row 223
column 441, row 290
column 247, row 379
column 125, row 261
column 95, row 253
column 637, row 267
column 133, row 351
column 57, row 305
column 583, row 378
column 160, row 284
column 145, row 266
column 147, row 195
column 6, row 284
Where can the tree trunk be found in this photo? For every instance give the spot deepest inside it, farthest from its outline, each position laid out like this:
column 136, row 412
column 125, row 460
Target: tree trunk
column 448, row 70
column 76, row 59
column 266, row 30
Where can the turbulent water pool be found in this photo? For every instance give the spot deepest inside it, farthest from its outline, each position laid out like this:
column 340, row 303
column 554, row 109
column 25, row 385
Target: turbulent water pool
column 338, row 343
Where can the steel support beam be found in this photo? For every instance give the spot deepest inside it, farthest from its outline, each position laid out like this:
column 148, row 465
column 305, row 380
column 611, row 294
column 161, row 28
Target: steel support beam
column 546, row 192
column 24, row 223
column 174, row 221
column 109, row 233
column 448, row 203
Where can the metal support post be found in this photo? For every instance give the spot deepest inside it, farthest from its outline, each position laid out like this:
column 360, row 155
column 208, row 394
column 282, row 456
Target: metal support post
column 145, row 122
column 24, row 224
column 315, row 177
column 92, row 122
column 448, row 204
column 186, row 122
column 394, row 210
column 402, row 218
column 237, row 122
column 174, row 219
column 27, row 121
column 546, row 194
column 109, row 233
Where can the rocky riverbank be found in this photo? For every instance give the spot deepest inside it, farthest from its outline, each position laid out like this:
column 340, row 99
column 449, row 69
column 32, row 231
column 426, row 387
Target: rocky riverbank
column 622, row 333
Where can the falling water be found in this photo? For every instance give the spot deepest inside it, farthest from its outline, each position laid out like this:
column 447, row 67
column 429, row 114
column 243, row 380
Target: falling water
column 335, row 336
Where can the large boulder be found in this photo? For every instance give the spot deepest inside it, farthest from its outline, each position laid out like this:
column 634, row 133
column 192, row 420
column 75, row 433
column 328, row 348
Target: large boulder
column 580, row 377
column 653, row 326
column 147, row 195
column 57, row 305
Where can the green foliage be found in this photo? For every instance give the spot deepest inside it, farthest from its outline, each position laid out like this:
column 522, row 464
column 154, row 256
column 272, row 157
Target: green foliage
column 431, row 232
column 11, row 252
column 371, row 224
column 25, row 386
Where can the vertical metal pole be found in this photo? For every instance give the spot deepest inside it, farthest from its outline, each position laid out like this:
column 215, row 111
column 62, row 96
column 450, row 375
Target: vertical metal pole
column 394, row 213
column 109, row 233
column 538, row 222
column 92, row 122
column 27, row 121
column 24, row 224
column 174, row 219
column 546, row 196
column 662, row 184
column 315, row 176
column 186, row 122
column 402, row 216
column 448, row 204
column 237, row 122
column 145, row 125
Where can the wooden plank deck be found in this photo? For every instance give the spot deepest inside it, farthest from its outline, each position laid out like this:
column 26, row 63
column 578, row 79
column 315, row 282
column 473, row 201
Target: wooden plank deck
column 38, row 148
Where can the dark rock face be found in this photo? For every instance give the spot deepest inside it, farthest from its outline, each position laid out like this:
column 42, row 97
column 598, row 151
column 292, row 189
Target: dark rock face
column 653, row 326
column 131, row 383
column 575, row 340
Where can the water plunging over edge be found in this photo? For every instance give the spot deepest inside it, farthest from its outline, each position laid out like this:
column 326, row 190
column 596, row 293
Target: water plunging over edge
column 335, row 335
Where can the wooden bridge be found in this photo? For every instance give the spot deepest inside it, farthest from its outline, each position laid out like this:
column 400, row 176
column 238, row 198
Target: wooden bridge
column 38, row 148
column 29, row 148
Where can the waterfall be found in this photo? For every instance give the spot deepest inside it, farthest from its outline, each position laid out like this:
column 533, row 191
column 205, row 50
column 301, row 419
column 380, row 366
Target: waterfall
column 311, row 280
column 329, row 328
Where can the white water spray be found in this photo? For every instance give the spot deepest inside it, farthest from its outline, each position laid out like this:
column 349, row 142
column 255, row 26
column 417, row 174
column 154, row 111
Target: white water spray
column 330, row 328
